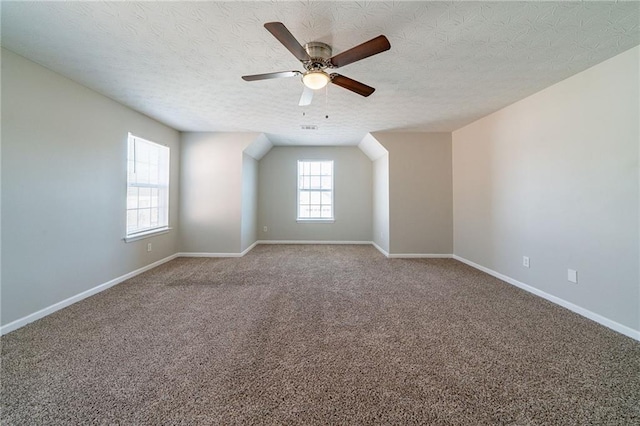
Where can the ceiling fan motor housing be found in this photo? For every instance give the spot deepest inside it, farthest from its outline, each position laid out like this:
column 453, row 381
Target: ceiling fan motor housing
column 319, row 53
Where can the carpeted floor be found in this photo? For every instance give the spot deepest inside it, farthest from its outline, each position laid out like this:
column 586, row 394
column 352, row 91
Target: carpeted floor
column 317, row 335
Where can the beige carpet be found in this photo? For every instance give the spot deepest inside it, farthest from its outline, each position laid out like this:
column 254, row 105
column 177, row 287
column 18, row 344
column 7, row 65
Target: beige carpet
column 318, row 335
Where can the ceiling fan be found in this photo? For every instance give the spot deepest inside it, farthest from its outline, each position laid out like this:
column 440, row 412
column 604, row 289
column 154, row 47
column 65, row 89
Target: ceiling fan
column 316, row 58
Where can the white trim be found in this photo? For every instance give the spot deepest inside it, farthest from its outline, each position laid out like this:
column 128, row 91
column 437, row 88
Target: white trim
column 14, row 325
column 162, row 185
column 332, row 190
column 380, row 249
column 204, row 254
column 419, row 256
column 146, row 234
column 620, row 328
column 248, row 249
column 310, row 242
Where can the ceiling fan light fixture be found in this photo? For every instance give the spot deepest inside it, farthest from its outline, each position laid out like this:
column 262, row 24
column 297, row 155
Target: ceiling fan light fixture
column 315, row 79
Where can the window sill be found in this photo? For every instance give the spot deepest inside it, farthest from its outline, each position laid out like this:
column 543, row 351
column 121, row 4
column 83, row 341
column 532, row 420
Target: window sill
column 315, row 220
column 146, row 234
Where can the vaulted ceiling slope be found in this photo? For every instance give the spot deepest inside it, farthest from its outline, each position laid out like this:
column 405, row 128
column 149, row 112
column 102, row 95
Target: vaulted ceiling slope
column 450, row 63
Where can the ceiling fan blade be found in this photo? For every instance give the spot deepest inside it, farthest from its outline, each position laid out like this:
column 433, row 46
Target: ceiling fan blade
column 351, row 84
column 271, row 75
column 307, row 96
column 283, row 35
column 361, row 51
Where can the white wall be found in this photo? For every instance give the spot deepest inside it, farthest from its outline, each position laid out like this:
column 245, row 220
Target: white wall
column 379, row 156
column 249, row 225
column 555, row 177
column 64, row 174
column 420, row 192
column 381, row 202
column 211, row 192
column 352, row 195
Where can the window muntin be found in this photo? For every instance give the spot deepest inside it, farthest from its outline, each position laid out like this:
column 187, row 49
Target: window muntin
column 315, row 190
column 147, row 186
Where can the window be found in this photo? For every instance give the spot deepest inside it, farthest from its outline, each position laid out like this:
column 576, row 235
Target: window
column 315, row 190
column 147, row 187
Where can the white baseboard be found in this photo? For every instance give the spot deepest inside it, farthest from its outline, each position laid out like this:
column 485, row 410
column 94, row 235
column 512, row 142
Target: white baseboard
column 623, row 329
column 252, row 246
column 197, row 254
column 248, row 249
column 627, row 331
column 419, row 256
column 310, row 242
column 380, row 249
column 14, row 325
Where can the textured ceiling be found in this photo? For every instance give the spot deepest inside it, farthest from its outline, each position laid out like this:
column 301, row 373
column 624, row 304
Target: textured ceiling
column 450, row 63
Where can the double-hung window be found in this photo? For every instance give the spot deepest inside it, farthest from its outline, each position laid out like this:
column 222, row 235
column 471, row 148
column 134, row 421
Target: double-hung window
column 315, row 190
column 147, row 188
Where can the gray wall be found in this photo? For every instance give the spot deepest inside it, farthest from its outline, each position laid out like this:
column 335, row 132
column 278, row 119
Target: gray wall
column 352, row 195
column 420, row 192
column 64, row 177
column 211, row 192
column 381, row 202
column 249, row 225
column 555, row 177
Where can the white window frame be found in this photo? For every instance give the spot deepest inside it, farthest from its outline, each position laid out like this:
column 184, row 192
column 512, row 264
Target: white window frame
column 299, row 189
column 161, row 184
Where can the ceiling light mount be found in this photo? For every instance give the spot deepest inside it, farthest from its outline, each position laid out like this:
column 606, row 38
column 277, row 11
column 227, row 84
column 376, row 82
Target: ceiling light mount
column 318, row 52
column 316, row 79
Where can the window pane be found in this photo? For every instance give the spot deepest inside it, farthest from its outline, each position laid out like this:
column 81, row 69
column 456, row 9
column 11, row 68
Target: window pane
column 132, row 220
column 142, row 152
column 326, row 198
column 315, row 182
column 306, row 182
column 315, row 197
column 306, row 168
column 154, row 197
column 144, row 199
column 314, row 211
column 154, row 158
column 326, row 182
column 142, row 172
column 154, row 177
column 327, row 168
column 315, row 168
column 132, row 198
column 326, row 212
column 304, row 211
column 304, row 197
column 154, row 220
column 144, row 218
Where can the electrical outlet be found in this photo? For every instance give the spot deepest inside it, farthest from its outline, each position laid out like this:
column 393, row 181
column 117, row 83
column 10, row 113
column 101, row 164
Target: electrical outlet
column 572, row 276
column 265, row 229
column 149, row 247
column 525, row 261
